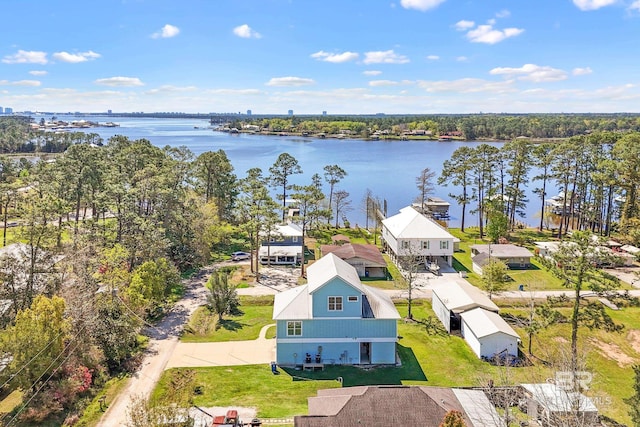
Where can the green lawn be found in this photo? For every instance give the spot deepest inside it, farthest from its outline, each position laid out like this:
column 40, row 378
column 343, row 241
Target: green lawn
column 429, row 357
column 204, row 326
column 251, row 386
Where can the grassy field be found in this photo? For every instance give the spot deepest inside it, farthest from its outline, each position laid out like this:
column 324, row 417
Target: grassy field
column 204, row 326
column 429, row 356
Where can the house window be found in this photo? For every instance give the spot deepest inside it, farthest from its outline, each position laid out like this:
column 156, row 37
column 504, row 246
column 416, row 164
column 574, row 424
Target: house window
column 405, row 245
column 335, row 303
column 425, row 244
column 444, row 244
column 353, row 299
column 294, row 239
column 294, row 328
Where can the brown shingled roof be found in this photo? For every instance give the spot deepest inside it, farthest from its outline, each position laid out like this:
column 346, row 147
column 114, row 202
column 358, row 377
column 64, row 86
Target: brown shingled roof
column 370, row 253
column 382, row 406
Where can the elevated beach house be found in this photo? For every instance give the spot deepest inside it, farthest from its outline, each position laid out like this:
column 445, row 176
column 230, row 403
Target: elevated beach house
column 334, row 319
column 283, row 246
column 411, row 234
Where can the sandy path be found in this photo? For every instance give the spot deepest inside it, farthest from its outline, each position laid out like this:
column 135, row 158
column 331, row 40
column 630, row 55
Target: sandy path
column 164, row 339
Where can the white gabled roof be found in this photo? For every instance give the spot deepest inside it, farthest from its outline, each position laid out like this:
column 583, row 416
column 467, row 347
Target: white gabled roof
column 329, row 267
column 478, row 408
column 292, row 304
column 296, row 303
column 280, row 250
column 461, row 297
column 484, row 323
column 411, row 224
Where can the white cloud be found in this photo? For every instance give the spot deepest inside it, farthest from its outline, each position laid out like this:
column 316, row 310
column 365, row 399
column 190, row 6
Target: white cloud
column 372, row 73
column 166, row 32
column 74, row 58
column 335, row 57
column 26, row 57
column 421, row 5
column 433, row 57
column 384, row 57
column 378, row 83
column 593, row 4
column 635, row 5
column 38, row 73
column 120, row 81
column 467, row 85
column 487, row 34
column 246, row 32
column 578, row 71
column 31, row 83
column 532, row 73
column 503, row 14
column 171, row 89
column 462, row 59
column 290, row 81
column 464, row 25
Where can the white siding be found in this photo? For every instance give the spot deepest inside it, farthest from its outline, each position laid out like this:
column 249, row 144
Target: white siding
column 441, row 311
column 490, row 345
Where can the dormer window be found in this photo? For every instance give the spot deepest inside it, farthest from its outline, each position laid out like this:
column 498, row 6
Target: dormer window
column 335, row 304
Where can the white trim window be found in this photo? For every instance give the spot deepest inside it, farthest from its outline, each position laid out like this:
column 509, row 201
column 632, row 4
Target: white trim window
column 335, row 304
column 425, row 244
column 294, row 328
column 352, row 298
column 405, row 244
column 294, row 239
column 444, row 244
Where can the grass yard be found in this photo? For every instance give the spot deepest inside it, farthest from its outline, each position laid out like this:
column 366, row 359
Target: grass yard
column 429, row 357
column 204, row 326
column 274, row 396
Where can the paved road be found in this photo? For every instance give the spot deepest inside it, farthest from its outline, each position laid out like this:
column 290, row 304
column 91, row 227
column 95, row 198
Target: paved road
column 164, row 339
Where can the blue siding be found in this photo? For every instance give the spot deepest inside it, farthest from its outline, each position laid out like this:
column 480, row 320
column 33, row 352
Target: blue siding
column 383, row 352
column 334, row 353
column 342, row 328
column 337, row 287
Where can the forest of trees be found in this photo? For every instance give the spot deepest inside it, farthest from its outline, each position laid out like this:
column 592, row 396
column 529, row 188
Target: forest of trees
column 501, row 127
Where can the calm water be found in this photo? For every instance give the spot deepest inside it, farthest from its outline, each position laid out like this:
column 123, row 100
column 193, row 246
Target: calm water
column 389, row 169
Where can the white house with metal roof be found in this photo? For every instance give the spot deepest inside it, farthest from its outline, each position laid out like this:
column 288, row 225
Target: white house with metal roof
column 334, row 319
column 488, row 334
column 410, row 233
column 450, row 299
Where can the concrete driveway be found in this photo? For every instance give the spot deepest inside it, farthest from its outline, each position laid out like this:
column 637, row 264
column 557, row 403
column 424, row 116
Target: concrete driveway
column 228, row 353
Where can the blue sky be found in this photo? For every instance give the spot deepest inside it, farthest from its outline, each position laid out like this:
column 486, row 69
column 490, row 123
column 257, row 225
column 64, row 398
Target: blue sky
column 353, row 56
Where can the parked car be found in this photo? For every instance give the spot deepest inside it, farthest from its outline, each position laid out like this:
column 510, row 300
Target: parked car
column 240, row 256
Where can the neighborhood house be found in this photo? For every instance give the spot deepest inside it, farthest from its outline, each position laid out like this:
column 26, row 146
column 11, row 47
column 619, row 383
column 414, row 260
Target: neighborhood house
column 410, row 234
column 488, row 334
column 366, row 259
column 334, row 319
column 515, row 257
column 283, row 246
column 397, row 406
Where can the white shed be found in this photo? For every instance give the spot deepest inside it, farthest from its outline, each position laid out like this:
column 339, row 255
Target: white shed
column 488, row 334
column 451, row 299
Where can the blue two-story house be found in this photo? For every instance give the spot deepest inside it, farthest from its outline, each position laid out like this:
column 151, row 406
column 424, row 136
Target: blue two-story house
column 335, row 319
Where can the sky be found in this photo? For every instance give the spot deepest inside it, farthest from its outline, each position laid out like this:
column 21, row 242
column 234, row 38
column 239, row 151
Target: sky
column 310, row 56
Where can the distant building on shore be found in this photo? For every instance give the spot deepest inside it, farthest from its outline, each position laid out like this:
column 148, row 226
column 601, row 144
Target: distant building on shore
column 8, row 110
column 248, row 112
column 290, row 112
column 324, row 113
column 1, row 110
